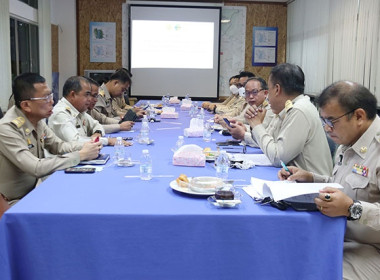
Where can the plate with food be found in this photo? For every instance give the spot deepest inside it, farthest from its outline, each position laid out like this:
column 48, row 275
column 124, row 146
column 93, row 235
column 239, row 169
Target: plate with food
column 195, row 186
column 210, row 154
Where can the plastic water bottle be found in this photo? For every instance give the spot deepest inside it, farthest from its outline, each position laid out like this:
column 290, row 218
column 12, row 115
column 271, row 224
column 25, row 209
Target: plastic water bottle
column 187, row 96
column 145, row 166
column 119, row 150
column 201, row 114
column 144, row 132
column 222, row 165
column 179, row 143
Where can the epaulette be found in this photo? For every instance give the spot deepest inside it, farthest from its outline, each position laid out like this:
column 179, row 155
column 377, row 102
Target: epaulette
column 265, row 103
column 68, row 109
column 19, row 122
column 288, row 105
column 101, row 92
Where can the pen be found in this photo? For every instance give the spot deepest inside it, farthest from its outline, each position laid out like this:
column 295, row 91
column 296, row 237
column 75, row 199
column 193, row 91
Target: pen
column 285, row 167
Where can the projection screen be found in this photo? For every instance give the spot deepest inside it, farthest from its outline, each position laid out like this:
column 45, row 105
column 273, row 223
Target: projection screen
column 174, row 50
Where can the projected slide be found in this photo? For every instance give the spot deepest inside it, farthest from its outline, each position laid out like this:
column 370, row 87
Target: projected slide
column 172, row 44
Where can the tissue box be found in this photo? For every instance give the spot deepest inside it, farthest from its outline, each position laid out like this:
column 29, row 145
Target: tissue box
column 174, row 100
column 169, row 115
column 186, row 107
column 191, row 132
column 189, row 159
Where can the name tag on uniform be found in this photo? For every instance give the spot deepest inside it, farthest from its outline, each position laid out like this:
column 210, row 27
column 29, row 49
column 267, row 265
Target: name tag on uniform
column 360, row 169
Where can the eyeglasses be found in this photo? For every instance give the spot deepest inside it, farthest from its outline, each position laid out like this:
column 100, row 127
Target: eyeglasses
column 330, row 122
column 94, row 95
column 253, row 92
column 46, row 98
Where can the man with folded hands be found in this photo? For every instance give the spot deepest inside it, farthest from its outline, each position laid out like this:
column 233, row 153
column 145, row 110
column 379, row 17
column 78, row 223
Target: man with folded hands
column 256, row 91
column 295, row 135
column 24, row 136
column 348, row 112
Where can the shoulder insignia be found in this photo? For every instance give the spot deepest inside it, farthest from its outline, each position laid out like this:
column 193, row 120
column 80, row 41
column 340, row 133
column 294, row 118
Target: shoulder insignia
column 363, row 149
column 68, row 109
column 288, row 105
column 19, row 121
column 265, row 103
column 101, row 92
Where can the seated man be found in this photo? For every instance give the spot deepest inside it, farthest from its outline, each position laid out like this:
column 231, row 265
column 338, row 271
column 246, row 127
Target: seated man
column 234, row 80
column 24, row 135
column 70, row 121
column 118, row 83
column 110, row 125
column 256, row 91
column 236, row 106
column 348, row 111
column 295, row 135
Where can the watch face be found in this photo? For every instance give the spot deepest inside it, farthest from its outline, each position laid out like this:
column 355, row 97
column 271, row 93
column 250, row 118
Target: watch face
column 356, row 211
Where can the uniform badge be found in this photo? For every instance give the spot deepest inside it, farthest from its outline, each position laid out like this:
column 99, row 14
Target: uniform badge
column 288, row 105
column 19, row 121
column 360, row 169
column 30, row 145
column 42, row 139
column 363, row 150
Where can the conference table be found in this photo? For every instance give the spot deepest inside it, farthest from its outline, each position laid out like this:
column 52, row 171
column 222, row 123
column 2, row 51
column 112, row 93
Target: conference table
column 108, row 226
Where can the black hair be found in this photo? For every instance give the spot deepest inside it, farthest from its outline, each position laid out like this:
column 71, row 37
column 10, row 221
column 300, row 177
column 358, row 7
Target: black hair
column 290, row 77
column 350, row 96
column 73, row 84
column 246, row 74
column 23, row 86
column 123, row 75
column 91, row 81
column 262, row 82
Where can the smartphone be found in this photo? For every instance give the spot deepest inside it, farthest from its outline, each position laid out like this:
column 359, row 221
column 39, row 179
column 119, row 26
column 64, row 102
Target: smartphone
column 80, row 170
column 227, row 122
column 127, row 138
column 96, row 139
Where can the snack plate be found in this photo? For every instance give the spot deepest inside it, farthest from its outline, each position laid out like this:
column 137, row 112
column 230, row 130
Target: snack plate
column 174, row 186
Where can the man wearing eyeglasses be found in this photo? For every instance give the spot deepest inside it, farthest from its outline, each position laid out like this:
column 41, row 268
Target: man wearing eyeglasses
column 110, row 125
column 256, row 91
column 70, row 121
column 348, row 112
column 118, row 83
column 295, row 135
column 24, row 136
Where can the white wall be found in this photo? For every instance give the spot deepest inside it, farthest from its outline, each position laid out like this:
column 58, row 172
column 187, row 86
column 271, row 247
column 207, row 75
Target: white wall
column 63, row 14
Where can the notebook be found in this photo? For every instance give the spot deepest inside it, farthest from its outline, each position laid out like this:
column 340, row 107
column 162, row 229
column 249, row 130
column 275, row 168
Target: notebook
column 101, row 159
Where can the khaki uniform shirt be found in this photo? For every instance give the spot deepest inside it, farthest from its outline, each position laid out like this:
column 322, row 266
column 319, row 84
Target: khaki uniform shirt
column 71, row 125
column 221, row 109
column 22, row 158
column 110, row 125
column 119, row 105
column 296, row 137
column 363, row 187
column 104, row 103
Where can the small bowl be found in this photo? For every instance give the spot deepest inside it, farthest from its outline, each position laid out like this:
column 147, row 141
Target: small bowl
column 205, row 184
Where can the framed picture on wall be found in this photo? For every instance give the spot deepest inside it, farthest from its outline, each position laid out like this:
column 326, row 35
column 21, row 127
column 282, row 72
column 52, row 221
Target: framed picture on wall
column 102, row 42
column 264, row 46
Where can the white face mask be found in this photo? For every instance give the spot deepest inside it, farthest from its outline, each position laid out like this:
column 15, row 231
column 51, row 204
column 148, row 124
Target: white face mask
column 242, row 92
column 234, row 89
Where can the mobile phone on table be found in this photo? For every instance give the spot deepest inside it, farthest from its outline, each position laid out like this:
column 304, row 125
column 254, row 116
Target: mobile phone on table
column 227, row 122
column 127, row 138
column 80, row 170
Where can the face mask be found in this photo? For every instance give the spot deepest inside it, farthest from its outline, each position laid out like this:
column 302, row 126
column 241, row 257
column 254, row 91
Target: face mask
column 234, row 89
column 242, row 92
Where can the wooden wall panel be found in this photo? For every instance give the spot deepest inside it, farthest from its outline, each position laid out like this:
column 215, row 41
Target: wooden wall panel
column 258, row 14
column 99, row 11
column 268, row 15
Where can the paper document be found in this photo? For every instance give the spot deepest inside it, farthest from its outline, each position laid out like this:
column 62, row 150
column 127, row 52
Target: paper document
column 285, row 190
column 257, row 159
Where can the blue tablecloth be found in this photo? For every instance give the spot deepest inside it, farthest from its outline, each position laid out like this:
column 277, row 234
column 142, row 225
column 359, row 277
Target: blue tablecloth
column 106, row 226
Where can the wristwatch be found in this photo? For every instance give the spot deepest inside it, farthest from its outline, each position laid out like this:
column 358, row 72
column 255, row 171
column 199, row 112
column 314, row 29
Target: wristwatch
column 98, row 131
column 355, row 210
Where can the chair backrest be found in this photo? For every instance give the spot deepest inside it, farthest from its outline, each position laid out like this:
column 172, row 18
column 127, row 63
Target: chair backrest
column 4, row 206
